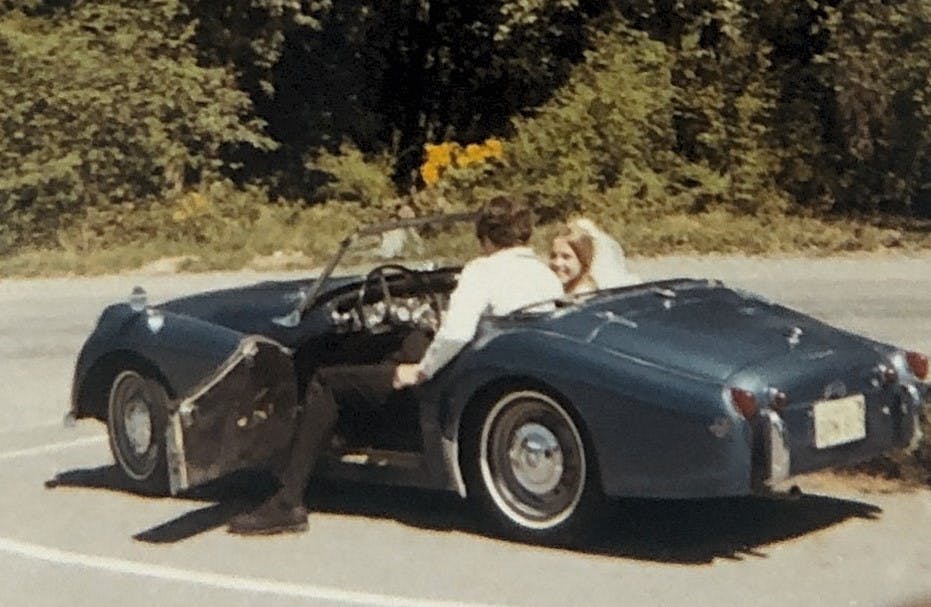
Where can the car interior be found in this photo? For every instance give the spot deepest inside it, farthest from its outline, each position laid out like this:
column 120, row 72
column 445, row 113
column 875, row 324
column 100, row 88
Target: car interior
column 391, row 315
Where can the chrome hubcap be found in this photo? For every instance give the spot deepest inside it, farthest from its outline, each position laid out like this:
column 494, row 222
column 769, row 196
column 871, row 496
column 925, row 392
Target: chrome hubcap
column 532, row 460
column 536, row 458
column 138, row 425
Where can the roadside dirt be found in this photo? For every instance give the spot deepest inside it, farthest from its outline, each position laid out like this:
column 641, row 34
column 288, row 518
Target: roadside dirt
column 854, row 480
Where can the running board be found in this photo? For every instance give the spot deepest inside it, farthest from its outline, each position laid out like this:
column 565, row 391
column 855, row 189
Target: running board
column 384, row 467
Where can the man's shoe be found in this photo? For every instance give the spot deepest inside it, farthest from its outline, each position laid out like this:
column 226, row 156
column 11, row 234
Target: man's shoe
column 270, row 518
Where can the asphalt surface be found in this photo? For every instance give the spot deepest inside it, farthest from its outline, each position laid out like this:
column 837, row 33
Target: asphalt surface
column 70, row 535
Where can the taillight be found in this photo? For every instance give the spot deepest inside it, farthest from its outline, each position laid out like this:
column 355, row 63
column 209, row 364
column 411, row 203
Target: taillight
column 744, row 402
column 918, row 363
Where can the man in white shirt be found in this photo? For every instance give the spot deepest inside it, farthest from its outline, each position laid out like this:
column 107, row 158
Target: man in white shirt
column 507, row 277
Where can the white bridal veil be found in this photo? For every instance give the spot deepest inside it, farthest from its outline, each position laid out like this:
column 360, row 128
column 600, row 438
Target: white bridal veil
column 609, row 265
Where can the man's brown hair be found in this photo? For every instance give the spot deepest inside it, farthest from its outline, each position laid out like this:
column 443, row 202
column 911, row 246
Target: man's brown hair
column 505, row 222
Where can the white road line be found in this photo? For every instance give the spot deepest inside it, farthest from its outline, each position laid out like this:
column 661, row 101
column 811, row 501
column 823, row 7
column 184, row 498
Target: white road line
column 203, row 578
column 220, row 581
column 51, row 448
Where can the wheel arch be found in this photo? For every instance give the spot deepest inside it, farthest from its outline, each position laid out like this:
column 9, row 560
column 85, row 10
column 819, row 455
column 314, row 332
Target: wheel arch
column 93, row 393
column 488, row 394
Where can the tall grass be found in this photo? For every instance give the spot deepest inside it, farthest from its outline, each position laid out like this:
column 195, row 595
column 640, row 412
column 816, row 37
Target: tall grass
column 280, row 236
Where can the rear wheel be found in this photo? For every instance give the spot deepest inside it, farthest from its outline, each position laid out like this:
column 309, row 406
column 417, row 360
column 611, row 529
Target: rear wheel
column 136, row 418
column 527, row 466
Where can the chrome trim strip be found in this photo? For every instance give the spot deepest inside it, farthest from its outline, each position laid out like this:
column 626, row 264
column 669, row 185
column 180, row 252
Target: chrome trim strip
column 174, row 451
column 451, row 459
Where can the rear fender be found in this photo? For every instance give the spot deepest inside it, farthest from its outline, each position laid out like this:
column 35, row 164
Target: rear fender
column 653, row 433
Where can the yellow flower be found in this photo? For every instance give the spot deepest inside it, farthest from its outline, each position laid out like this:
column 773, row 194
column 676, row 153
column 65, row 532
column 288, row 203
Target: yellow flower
column 430, row 173
column 495, row 147
column 472, row 154
column 440, row 156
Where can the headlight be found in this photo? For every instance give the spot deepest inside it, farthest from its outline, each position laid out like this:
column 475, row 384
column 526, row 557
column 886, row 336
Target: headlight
column 155, row 320
column 138, row 299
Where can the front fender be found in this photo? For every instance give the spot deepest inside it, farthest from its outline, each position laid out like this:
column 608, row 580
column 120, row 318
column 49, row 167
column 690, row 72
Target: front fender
column 182, row 349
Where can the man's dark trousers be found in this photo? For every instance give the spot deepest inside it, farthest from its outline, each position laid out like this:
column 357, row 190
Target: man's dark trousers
column 339, row 390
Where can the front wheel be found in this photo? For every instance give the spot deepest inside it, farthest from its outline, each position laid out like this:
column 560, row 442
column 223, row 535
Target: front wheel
column 527, row 466
column 136, row 418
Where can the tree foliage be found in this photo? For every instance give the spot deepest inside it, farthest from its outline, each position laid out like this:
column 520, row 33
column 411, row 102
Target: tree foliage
column 869, row 98
column 829, row 96
column 105, row 103
column 643, row 130
column 620, row 107
column 390, row 75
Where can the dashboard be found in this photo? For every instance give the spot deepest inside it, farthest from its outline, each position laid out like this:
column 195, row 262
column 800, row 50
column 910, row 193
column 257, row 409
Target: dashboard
column 391, row 296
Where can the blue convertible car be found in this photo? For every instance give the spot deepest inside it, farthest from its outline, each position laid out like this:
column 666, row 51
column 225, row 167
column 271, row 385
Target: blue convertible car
column 674, row 389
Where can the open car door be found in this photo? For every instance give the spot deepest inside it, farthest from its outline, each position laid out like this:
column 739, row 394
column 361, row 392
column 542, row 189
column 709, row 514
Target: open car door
column 240, row 417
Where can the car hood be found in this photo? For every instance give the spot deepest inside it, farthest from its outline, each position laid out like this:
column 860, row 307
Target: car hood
column 709, row 330
column 249, row 309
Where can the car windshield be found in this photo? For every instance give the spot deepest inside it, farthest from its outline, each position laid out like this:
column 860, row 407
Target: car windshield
column 411, row 242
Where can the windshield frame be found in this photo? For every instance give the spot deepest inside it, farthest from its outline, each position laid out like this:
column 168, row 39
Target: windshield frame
column 310, row 298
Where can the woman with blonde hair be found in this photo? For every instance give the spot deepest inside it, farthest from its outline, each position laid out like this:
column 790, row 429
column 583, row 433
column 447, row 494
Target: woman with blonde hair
column 585, row 259
column 571, row 254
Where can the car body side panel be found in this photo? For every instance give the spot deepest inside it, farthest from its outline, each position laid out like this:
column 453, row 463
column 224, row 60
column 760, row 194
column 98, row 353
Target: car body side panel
column 653, row 433
column 629, row 363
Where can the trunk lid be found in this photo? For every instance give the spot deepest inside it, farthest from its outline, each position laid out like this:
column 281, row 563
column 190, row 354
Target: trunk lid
column 715, row 332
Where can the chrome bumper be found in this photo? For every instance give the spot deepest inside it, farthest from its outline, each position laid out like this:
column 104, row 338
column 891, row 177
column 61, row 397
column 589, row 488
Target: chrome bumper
column 916, row 397
column 775, row 458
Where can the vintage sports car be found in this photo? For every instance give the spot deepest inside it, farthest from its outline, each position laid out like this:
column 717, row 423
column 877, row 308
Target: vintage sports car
column 674, row 389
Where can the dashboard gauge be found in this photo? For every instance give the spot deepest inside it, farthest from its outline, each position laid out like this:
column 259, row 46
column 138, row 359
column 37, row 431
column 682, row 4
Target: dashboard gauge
column 425, row 316
column 375, row 313
column 402, row 314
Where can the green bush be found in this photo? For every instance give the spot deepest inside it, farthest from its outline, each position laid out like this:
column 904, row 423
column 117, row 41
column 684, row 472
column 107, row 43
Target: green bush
column 114, row 116
column 353, row 177
column 105, row 104
column 606, row 143
column 859, row 121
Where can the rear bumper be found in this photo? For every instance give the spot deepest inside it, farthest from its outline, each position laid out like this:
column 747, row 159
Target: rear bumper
column 772, row 462
column 784, row 447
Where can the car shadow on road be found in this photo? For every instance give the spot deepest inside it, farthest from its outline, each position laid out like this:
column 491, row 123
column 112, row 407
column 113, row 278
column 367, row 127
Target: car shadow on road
column 670, row 531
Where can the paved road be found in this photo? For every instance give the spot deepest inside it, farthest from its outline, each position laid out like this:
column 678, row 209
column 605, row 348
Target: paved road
column 86, row 542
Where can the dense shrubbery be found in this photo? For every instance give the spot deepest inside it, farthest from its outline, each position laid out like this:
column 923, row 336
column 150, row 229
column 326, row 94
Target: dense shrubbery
column 873, row 134
column 105, row 104
column 115, row 113
column 748, row 107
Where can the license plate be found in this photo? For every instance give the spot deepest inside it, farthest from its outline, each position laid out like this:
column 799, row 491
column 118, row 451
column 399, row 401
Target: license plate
column 840, row 421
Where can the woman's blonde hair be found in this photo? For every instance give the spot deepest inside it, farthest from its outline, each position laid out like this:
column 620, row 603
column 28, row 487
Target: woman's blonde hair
column 581, row 244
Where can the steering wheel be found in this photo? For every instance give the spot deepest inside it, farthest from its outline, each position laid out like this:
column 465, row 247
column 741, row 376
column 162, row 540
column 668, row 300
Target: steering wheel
column 380, row 275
